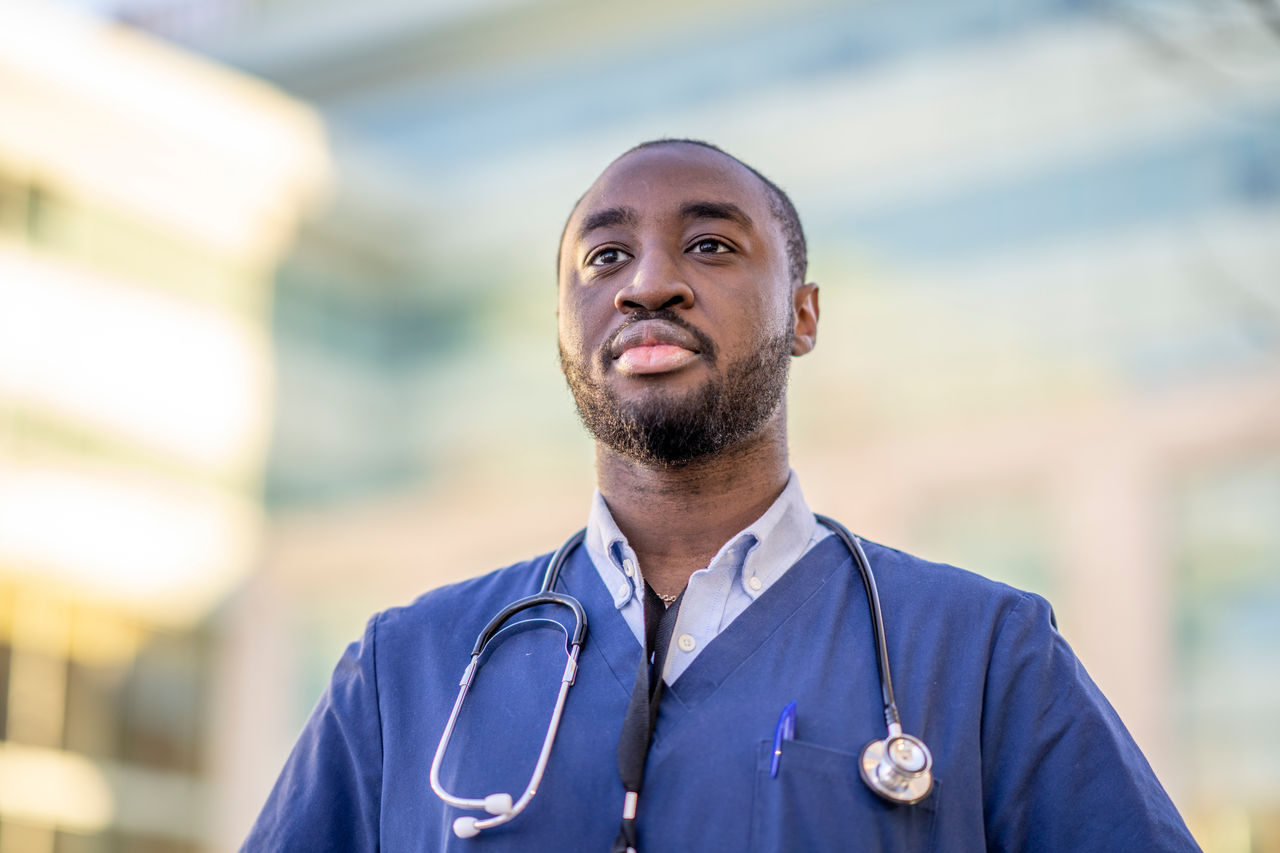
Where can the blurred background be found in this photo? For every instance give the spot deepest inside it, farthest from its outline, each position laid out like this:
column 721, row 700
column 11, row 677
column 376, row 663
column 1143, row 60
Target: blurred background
column 277, row 346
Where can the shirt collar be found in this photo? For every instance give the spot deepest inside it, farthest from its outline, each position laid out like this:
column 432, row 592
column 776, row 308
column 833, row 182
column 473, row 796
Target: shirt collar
column 772, row 543
column 757, row 556
column 612, row 556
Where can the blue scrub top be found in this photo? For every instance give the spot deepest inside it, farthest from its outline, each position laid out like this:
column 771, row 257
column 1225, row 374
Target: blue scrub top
column 1028, row 754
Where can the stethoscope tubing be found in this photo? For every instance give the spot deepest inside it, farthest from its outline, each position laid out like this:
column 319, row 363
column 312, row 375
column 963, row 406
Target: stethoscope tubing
column 854, row 544
column 575, row 639
column 557, row 560
column 500, row 805
column 911, row 787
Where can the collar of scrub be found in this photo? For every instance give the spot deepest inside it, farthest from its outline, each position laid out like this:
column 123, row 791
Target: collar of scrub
column 743, row 569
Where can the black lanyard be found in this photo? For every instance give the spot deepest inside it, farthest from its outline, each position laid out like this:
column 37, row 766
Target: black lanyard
column 642, row 711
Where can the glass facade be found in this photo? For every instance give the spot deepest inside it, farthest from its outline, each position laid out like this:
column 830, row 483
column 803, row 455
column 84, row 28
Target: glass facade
column 141, row 217
column 100, row 714
column 1045, row 233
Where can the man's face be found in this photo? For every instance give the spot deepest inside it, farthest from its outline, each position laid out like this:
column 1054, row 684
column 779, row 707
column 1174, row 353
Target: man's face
column 677, row 315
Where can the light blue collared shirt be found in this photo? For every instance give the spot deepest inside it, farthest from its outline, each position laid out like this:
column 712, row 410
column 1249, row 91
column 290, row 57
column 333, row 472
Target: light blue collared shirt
column 746, row 566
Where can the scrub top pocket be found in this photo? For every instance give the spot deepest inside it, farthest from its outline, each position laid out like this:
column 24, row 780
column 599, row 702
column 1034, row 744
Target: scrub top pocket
column 818, row 802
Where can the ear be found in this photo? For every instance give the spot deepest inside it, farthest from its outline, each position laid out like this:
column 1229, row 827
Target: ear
column 806, row 331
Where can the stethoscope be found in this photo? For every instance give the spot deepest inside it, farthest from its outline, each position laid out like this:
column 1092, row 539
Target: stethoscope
column 897, row 767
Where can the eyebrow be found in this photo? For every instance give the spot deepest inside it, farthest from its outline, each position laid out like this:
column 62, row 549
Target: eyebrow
column 611, row 216
column 607, row 218
column 715, row 210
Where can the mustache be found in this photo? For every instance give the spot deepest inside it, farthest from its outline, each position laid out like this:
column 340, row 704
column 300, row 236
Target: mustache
column 706, row 346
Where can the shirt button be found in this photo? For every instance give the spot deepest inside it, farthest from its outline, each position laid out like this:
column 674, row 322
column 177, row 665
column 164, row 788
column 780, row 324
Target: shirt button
column 755, row 584
column 623, row 591
column 628, row 568
column 686, row 642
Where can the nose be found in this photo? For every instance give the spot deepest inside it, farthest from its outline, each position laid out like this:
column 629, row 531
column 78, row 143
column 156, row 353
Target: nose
column 655, row 284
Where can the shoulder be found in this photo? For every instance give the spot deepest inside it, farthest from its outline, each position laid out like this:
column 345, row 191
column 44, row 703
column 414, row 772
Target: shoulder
column 455, row 607
column 946, row 623
column 908, row 582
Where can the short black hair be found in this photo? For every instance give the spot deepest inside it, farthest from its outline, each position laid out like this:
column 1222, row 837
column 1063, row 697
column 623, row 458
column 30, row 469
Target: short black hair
column 779, row 205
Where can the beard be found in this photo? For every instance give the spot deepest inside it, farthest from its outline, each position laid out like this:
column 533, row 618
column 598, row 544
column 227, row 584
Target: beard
column 669, row 429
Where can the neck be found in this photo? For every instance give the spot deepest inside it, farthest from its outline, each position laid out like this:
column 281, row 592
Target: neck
column 676, row 517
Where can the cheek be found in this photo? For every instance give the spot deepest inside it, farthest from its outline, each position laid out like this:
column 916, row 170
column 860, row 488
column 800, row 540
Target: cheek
column 781, row 311
column 575, row 320
column 570, row 339
column 764, row 316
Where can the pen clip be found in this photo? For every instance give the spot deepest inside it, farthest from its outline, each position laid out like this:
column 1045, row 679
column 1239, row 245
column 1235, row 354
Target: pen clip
column 786, row 730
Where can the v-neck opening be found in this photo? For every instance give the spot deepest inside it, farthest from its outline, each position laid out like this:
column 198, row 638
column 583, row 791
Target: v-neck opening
column 609, row 635
column 733, row 646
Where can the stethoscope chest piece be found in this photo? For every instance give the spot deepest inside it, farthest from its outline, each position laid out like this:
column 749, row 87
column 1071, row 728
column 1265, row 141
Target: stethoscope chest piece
column 898, row 768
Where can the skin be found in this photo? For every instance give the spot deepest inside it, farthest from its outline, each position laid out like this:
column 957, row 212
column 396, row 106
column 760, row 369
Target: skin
column 728, row 278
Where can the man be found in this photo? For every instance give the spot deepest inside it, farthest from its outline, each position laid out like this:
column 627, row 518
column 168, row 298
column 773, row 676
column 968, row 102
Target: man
column 682, row 299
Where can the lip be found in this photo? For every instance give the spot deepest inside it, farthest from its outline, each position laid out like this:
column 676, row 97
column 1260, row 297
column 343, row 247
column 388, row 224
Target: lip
column 653, row 346
column 652, row 333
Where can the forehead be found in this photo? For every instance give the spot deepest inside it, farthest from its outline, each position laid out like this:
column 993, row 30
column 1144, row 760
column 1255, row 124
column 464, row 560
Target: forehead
column 658, row 179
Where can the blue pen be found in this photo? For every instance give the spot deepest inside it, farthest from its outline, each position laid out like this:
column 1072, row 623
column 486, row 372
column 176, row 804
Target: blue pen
column 786, row 730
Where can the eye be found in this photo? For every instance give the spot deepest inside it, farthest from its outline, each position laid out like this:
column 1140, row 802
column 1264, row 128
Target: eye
column 709, row 246
column 607, row 257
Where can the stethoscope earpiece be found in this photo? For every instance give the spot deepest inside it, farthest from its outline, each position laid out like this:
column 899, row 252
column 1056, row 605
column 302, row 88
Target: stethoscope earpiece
column 465, row 827
column 898, row 767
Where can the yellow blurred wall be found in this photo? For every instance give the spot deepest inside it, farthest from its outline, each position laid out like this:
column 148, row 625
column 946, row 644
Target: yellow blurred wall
column 145, row 198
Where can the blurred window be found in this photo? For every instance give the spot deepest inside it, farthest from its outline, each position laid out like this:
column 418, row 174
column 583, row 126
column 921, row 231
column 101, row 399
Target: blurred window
column 110, row 242
column 104, row 842
column 1226, row 548
column 4, row 688
column 161, row 701
column 129, row 698
column 13, row 207
column 1004, row 535
column 94, row 710
column 67, row 842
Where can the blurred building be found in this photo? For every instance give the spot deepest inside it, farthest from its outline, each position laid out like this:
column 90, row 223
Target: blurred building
column 1046, row 236
column 145, row 199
